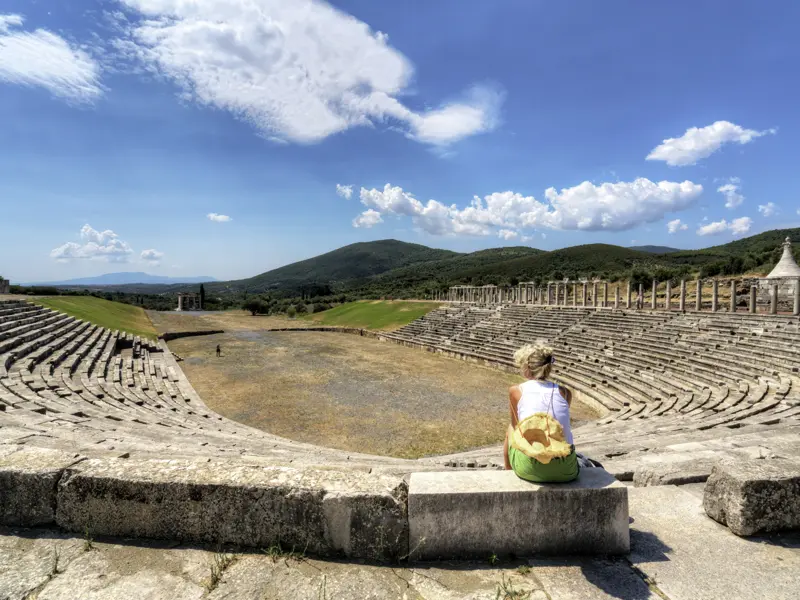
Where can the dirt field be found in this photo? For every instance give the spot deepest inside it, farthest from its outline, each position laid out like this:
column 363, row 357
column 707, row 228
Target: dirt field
column 349, row 392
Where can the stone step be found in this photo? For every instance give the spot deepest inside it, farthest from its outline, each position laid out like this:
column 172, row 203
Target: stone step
column 478, row 513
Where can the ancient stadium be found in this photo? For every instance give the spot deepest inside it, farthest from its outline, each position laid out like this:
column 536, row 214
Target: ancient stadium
column 686, row 395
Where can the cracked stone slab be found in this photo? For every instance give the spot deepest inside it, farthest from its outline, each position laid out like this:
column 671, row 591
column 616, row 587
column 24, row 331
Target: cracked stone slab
column 122, row 572
column 691, row 557
column 30, row 558
column 120, row 569
column 322, row 512
column 268, row 579
column 590, row 579
column 28, row 484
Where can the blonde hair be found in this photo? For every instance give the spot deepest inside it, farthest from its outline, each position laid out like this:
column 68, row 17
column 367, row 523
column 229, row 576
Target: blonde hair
column 535, row 361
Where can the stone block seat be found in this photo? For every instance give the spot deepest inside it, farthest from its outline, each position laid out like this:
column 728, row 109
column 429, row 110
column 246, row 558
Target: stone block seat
column 477, row 514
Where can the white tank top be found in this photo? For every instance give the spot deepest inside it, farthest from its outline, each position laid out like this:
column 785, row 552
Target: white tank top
column 536, row 397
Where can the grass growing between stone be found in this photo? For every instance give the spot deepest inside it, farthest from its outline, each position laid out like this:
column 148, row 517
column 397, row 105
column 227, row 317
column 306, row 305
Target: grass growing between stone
column 112, row 315
column 219, row 562
column 373, row 314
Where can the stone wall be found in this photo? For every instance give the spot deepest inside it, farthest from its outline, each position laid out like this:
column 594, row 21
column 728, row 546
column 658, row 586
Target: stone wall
column 174, row 335
column 5, row 285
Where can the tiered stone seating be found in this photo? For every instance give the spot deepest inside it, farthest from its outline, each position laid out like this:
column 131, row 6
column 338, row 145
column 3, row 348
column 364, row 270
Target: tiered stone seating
column 70, row 385
column 660, row 377
column 671, row 387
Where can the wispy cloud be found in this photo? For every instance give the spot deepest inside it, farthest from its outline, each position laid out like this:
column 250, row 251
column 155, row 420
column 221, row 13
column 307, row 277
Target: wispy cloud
column 151, row 256
column 768, row 209
column 44, row 59
column 345, row 191
column 218, row 218
column 298, row 70
column 732, row 193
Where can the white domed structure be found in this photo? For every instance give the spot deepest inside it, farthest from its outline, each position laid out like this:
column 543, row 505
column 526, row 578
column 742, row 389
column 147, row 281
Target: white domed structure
column 787, row 266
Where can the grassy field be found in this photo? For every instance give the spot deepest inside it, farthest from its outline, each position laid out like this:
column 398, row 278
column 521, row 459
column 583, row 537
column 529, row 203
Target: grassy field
column 112, row 315
column 373, row 314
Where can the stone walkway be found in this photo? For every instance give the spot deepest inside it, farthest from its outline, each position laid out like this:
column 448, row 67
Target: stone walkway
column 677, row 554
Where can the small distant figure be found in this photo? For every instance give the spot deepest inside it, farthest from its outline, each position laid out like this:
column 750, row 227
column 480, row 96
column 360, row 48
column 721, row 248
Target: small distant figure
column 219, row 350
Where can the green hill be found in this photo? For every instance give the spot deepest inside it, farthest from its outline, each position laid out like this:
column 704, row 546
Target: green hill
column 439, row 273
column 654, row 249
column 373, row 314
column 588, row 260
column 111, row 315
column 356, row 261
column 757, row 253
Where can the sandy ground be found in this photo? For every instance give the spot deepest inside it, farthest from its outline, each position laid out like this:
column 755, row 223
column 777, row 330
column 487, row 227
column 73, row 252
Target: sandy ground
column 348, row 392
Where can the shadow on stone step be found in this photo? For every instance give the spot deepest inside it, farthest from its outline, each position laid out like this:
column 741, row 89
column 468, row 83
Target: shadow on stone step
column 647, row 547
column 785, row 539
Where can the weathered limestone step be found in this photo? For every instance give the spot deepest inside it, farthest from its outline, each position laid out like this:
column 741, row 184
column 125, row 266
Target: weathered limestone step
column 691, row 557
column 326, row 513
column 467, row 513
column 28, row 483
column 584, row 578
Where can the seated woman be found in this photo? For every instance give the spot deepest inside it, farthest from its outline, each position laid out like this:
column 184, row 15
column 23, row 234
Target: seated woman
column 538, row 444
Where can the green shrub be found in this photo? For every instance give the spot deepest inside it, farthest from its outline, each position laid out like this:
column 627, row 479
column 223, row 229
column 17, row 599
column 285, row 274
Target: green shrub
column 256, row 306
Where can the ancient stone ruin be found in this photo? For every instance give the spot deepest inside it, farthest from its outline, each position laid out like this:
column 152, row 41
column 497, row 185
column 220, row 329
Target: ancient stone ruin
column 101, row 432
column 189, row 301
column 5, row 285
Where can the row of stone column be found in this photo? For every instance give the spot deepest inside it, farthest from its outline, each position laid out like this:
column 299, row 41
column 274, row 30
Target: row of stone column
column 569, row 293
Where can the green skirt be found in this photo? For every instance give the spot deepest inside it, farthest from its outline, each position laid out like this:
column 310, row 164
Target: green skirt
column 558, row 470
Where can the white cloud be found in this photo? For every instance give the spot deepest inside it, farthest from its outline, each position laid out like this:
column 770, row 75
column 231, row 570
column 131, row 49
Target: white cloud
column 97, row 245
column 507, row 234
column 544, row 236
column 297, row 71
column 609, row 206
column 767, row 209
column 345, row 191
column 391, row 199
column 713, row 228
column 369, row 218
column 733, row 197
column 701, row 142
column 676, row 225
column 741, row 225
column 41, row 58
column 618, row 206
column 218, row 218
column 738, row 226
column 456, row 121
column 152, row 256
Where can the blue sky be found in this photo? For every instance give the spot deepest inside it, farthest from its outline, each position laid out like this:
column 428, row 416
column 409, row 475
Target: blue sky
column 228, row 137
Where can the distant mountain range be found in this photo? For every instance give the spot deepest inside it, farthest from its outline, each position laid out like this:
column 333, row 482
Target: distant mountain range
column 391, row 268
column 125, row 278
column 654, row 249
